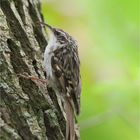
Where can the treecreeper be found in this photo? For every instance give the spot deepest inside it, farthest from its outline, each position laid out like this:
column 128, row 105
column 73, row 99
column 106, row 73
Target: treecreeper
column 62, row 66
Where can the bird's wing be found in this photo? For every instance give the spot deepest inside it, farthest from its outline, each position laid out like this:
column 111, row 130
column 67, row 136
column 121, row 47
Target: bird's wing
column 65, row 64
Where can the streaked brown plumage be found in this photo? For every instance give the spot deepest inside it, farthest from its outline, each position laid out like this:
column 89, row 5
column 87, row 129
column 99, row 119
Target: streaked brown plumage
column 62, row 64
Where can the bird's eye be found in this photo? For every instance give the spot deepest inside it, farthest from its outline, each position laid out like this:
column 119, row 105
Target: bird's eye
column 57, row 33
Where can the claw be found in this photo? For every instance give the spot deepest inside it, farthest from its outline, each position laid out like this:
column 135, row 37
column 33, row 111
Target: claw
column 33, row 78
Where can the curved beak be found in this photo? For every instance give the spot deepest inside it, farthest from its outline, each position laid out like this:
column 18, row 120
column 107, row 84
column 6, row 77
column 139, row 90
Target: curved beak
column 47, row 25
column 50, row 30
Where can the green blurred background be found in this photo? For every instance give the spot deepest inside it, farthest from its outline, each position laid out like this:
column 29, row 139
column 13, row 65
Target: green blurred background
column 107, row 34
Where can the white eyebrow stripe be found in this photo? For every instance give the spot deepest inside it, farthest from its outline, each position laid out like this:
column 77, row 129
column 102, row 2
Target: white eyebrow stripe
column 61, row 32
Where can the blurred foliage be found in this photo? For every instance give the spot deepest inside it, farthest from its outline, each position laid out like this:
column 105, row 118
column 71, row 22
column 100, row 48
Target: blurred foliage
column 107, row 34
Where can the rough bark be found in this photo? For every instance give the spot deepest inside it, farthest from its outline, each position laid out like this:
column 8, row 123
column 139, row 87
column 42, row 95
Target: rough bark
column 28, row 111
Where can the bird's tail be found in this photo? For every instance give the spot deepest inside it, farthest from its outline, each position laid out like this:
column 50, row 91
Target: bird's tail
column 70, row 130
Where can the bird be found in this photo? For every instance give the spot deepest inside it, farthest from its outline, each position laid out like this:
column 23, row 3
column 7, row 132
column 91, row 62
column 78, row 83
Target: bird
column 62, row 67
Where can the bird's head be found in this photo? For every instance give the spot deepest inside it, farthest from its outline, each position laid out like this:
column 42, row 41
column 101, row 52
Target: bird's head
column 59, row 36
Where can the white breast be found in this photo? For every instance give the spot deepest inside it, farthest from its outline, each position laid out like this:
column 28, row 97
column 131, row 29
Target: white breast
column 48, row 55
column 47, row 62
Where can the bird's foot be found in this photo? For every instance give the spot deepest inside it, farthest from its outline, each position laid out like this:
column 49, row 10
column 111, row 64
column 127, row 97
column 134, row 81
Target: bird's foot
column 33, row 78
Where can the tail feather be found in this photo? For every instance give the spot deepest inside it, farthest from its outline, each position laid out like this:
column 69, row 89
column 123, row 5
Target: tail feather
column 70, row 130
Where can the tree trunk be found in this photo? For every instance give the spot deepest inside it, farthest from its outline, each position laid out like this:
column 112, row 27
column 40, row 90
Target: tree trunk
column 28, row 110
